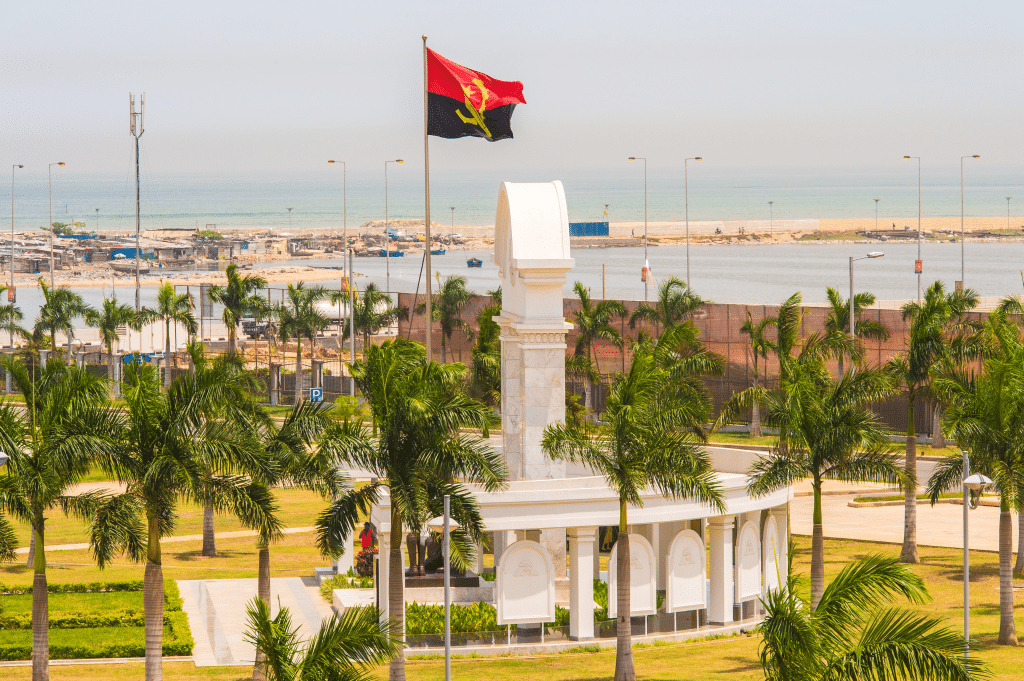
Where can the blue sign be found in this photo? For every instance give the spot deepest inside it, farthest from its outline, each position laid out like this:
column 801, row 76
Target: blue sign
column 316, row 394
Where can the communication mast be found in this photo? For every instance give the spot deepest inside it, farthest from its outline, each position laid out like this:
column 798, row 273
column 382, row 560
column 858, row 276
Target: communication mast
column 137, row 126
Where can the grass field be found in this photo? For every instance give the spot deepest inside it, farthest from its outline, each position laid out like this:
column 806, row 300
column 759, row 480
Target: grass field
column 769, row 441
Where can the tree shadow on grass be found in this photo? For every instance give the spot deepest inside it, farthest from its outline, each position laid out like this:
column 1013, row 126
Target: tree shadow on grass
column 196, row 555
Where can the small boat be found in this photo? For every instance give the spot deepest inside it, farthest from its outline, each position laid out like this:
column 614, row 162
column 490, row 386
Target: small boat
column 438, row 251
column 128, row 266
column 384, row 253
column 474, row 262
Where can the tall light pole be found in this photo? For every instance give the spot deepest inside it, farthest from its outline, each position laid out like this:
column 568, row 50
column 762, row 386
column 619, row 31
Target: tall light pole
column 1008, row 211
column 137, row 126
column 646, row 264
column 919, row 266
column 387, row 236
column 876, row 214
column 962, row 280
column 351, row 279
column 972, row 483
column 49, row 179
column 445, row 525
column 686, row 183
column 771, row 218
column 452, row 230
column 97, row 219
column 853, row 320
column 13, row 168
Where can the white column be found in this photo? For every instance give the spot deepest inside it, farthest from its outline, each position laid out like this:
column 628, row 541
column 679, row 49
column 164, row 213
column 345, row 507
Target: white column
column 346, row 560
column 720, row 530
column 383, row 560
column 581, row 582
column 781, row 514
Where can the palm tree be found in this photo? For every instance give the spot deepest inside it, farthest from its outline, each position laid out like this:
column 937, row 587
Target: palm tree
column 831, row 436
column 108, row 320
column 650, row 439
column 420, row 454
column 170, row 307
column 374, row 311
column 852, row 634
column 450, row 301
column 593, row 322
column 51, row 444
column 239, row 298
column 299, row 318
column 676, row 302
column 937, row 330
column 345, row 648
column 167, row 446
column 760, row 345
column 837, row 322
column 61, row 306
column 985, row 413
column 485, row 372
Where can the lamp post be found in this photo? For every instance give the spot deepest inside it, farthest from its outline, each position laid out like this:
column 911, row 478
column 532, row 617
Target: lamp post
column 771, row 218
column 907, row 158
column 853, row 321
column 289, row 218
column 972, row 483
column 49, row 179
column 646, row 265
column 445, row 525
column 1008, row 211
column 962, row 281
column 351, row 285
column 97, row 219
column 686, row 184
column 13, row 168
column 387, row 235
column 452, row 230
column 876, row 214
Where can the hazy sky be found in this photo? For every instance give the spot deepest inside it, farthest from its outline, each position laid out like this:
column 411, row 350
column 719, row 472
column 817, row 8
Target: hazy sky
column 261, row 86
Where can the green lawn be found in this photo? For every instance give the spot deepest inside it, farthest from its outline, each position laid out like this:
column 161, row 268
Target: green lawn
column 72, row 604
column 770, row 441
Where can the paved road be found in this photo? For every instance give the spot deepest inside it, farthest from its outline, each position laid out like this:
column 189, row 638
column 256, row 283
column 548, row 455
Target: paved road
column 217, row 617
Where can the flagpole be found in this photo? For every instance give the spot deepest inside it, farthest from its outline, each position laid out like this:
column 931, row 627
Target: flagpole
column 426, row 201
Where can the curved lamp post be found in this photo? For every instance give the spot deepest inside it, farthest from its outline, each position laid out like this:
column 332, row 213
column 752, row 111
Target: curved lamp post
column 853, row 334
column 972, row 483
column 646, row 264
column 445, row 525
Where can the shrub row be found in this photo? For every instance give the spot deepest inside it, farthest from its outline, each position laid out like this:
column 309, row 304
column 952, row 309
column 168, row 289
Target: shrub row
column 126, row 618
column 177, row 642
column 79, row 588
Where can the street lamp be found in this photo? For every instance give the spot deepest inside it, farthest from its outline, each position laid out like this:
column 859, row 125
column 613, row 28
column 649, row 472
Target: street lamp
column 972, row 483
column 920, row 269
column 289, row 218
column 962, row 217
column 771, row 218
column 686, row 183
column 97, row 219
column 1008, row 211
column 445, row 525
column 646, row 265
column 13, row 167
column 452, row 230
column 387, row 236
column 351, row 286
column 853, row 333
column 49, row 179
column 876, row 214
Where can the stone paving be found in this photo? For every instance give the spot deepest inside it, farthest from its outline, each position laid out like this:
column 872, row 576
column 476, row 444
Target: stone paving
column 217, row 617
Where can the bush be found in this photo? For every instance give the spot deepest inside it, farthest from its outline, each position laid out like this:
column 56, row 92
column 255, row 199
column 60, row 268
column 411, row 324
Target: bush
column 83, row 587
column 364, row 561
column 343, row 582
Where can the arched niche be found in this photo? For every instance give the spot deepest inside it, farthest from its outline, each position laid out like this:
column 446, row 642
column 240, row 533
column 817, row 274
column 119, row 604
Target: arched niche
column 525, row 584
column 748, row 562
column 685, row 573
column 774, row 558
column 643, row 595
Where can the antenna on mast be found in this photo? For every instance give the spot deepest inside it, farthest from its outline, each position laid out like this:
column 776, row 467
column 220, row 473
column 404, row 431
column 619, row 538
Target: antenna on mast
column 137, row 126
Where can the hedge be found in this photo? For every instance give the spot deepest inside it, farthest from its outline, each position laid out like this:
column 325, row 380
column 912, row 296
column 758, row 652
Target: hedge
column 81, row 587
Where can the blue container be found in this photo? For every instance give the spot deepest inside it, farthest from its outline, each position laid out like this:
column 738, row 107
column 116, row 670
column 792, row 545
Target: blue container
column 588, row 229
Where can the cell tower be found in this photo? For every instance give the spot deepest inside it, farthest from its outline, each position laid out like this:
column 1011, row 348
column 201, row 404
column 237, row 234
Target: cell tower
column 137, row 126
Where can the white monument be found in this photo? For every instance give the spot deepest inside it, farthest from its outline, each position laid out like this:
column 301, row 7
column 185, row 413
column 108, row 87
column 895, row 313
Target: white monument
column 748, row 562
column 685, row 570
column 525, row 585
column 643, row 596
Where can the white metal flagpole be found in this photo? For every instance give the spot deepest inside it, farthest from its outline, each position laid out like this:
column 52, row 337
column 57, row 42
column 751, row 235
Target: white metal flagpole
column 429, row 320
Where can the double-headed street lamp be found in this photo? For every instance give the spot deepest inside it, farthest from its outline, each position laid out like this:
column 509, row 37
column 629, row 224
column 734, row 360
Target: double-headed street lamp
column 387, row 235
column 345, row 253
column 972, row 483
column 853, row 321
column 686, row 183
column 876, row 214
column 962, row 280
column 646, row 264
column 49, row 178
column 918, row 266
column 444, row 525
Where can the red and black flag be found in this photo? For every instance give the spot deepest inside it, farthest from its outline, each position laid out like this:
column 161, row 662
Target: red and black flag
column 466, row 103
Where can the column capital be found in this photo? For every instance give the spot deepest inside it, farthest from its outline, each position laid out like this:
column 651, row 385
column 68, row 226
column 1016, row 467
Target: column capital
column 722, row 522
column 584, row 533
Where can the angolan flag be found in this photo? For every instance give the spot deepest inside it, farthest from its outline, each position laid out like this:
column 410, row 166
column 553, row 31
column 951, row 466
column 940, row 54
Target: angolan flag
column 466, row 103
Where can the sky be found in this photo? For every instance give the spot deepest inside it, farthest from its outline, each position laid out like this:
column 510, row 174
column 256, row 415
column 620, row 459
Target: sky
column 261, row 87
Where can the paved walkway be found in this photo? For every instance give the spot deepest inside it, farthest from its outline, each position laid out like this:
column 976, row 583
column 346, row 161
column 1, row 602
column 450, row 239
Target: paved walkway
column 180, row 538
column 217, row 617
column 939, row 525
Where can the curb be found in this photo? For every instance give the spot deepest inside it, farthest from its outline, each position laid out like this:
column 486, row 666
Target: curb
column 92, row 660
column 894, row 502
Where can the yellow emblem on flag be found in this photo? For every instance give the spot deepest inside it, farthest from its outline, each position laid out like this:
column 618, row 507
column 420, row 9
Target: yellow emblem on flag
column 476, row 116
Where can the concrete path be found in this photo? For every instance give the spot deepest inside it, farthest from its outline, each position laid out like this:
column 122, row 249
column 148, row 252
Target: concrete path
column 184, row 537
column 217, row 617
column 939, row 525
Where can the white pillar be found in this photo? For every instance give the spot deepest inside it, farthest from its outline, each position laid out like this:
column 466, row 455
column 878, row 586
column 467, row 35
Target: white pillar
column 383, row 561
column 720, row 530
column 781, row 514
column 346, row 561
column 581, row 583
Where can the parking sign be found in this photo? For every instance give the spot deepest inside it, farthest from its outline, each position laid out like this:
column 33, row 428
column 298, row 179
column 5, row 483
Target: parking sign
column 316, row 394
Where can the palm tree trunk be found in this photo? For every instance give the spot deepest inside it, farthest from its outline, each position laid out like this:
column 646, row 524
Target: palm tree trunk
column 755, row 412
column 153, row 604
column 1007, row 627
column 298, row 369
column 1018, row 567
column 840, row 365
column 624, row 670
column 396, row 593
column 110, row 369
column 817, row 550
column 444, row 350
column 586, row 395
column 31, row 551
column 263, row 593
column 167, row 356
column 209, row 538
column 40, row 611
column 232, row 342
column 938, row 438
column 909, row 554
